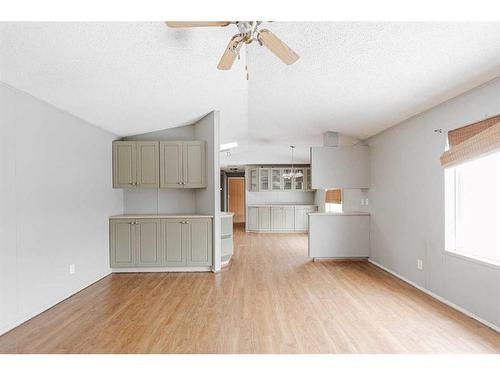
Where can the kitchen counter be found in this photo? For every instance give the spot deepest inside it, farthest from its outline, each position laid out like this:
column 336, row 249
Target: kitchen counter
column 352, row 213
column 160, row 216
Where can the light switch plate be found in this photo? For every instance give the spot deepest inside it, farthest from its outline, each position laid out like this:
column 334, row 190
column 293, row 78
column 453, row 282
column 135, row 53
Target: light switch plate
column 420, row 264
column 72, row 269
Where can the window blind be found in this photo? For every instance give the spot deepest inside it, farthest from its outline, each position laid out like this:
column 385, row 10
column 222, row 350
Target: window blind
column 333, row 196
column 472, row 141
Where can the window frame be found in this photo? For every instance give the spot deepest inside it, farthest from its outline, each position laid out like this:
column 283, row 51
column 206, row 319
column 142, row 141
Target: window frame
column 450, row 199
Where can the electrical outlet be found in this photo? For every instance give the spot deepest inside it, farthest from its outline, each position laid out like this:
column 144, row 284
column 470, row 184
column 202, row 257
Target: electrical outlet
column 72, row 269
column 362, row 202
column 420, row 264
column 366, row 201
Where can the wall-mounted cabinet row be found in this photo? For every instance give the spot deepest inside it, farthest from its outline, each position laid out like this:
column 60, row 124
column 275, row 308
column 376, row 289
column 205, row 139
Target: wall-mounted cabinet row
column 272, row 179
column 159, row 164
column 160, row 242
column 279, row 218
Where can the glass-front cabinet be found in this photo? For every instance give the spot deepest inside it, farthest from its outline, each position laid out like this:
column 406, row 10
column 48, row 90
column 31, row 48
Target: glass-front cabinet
column 254, row 179
column 276, row 179
column 308, row 179
column 272, row 179
column 287, row 182
column 264, row 179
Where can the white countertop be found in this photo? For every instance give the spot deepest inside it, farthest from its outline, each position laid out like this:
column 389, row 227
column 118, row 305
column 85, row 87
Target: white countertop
column 280, row 205
column 159, row 216
column 352, row 213
column 226, row 214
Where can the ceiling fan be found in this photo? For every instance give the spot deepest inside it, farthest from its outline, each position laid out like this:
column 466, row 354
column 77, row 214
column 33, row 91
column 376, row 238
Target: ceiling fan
column 248, row 32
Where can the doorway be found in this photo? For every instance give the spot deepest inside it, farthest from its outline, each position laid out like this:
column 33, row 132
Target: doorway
column 236, row 198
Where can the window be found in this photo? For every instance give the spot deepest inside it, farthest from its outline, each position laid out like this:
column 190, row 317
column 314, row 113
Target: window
column 333, row 200
column 473, row 208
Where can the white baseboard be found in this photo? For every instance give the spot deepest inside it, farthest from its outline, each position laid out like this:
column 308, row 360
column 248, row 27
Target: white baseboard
column 439, row 298
column 31, row 315
column 162, row 269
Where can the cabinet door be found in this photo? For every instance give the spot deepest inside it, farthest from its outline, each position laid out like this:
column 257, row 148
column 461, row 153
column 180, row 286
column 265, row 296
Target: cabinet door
column 147, row 164
column 264, row 179
column 302, row 218
column 308, row 179
column 254, row 179
column 124, row 164
column 276, row 179
column 288, row 218
column 173, row 231
column 287, row 182
column 264, row 218
column 277, row 218
column 298, row 182
column 147, row 242
column 194, row 164
column 171, row 164
column 253, row 218
column 122, row 238
column 199, row 242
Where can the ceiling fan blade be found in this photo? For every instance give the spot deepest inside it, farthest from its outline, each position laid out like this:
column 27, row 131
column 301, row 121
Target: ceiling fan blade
column 278, row 47
column 231, row 52
column 197, row 23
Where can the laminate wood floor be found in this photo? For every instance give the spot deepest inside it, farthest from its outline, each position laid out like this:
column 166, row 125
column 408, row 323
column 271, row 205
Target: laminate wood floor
column 270, row 299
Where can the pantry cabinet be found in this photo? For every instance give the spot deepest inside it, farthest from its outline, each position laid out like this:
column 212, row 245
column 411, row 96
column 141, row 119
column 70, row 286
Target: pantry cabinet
column 135, row 164
column 154, row 242
column 182, row 164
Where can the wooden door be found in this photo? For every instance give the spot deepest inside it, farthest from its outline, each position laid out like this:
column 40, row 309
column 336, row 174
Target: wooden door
column 147, row 164
column 173, row 231
column 171, row 164
column 124, row 164
column 122, row 243
column 194, row 164
column 236, row 198
column 147, row 242
column 198, row 242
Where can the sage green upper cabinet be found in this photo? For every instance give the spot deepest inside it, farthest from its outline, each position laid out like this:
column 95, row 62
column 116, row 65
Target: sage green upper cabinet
column 264, row 179
column 124, row 164
column 135, row 164
column 298, row 181
column 171, row 171
column 122, row 243
column 194, row 164
column 147, row 242
column 276, row 179
column 147, row 164
column 183, row 164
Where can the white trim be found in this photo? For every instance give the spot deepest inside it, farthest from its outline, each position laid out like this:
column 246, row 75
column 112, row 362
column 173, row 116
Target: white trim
column 333, row 259
column 162, row 269
column 470, row 258
column 439, row 298
column 31, row 315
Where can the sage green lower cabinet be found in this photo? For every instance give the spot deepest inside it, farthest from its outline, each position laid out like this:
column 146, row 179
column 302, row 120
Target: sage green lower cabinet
column 122, row 243
column 176, row 242
column 199, row 246
column 175, row 236
column 147, row 242
column 279, row 218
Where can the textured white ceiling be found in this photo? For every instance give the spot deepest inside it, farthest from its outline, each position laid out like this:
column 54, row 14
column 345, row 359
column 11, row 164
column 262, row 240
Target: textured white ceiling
column 356, row 78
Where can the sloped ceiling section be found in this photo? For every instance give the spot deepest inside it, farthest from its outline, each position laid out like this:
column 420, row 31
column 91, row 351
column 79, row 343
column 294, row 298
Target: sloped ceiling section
column 355, row 78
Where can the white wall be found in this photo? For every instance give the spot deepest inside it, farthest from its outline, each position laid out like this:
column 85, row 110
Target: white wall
column 407, row 205
column 208, row 200
column 55, row 198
